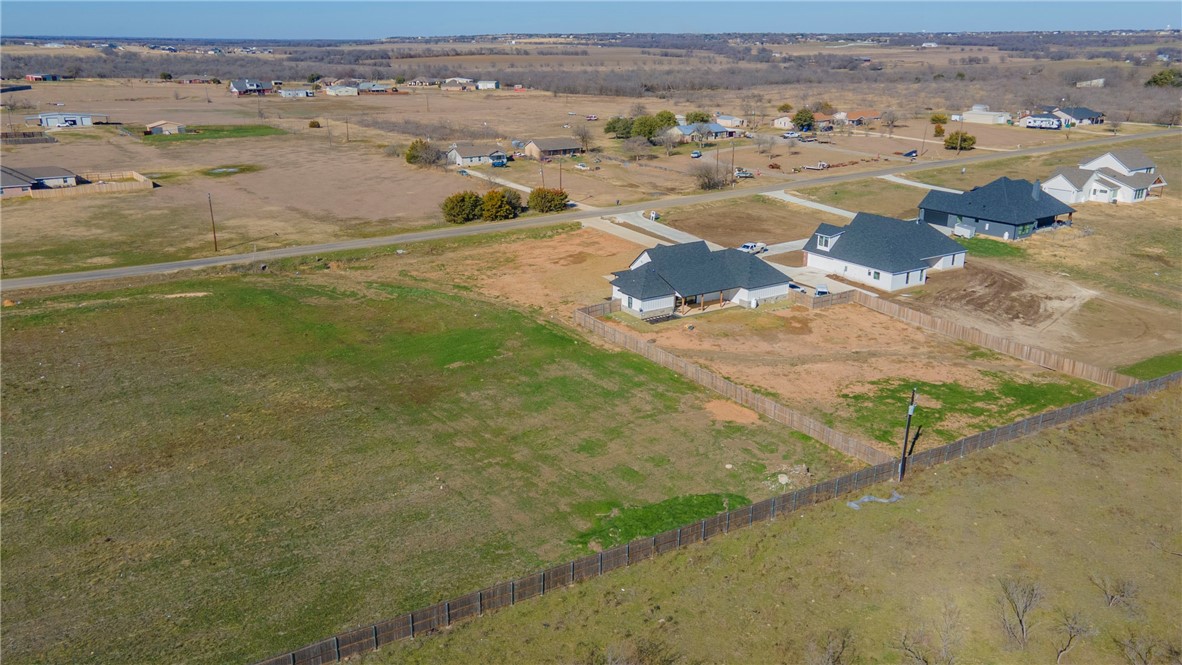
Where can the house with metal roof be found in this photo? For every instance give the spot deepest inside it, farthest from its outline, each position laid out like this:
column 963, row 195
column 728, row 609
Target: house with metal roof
column 669, row 280
column 165, row 127
column 1079, row 115
column 240, row 87
column 886, row 253
column 709, row 131
column 65, row 119
column 1119, row 176
column 1005, row 208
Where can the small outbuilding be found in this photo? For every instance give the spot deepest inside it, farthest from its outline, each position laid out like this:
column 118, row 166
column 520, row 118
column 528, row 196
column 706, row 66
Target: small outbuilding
column 65, row 119
column 165, row 127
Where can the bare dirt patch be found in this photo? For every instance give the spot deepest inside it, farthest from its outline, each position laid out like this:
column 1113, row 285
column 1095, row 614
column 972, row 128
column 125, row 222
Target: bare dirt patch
column 720, row 409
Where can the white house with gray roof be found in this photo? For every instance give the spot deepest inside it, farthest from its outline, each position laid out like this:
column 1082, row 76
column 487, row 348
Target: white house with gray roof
column 1119, row 176
column 886, row 253
column 675, row 279
column 467, row 154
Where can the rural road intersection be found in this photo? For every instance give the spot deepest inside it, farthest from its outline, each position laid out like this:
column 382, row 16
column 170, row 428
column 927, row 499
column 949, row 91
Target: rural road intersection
column 533, row 222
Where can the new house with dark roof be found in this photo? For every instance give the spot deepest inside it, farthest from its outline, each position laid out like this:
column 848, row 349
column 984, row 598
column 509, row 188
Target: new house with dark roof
column 20, row 180
column 886, row 253
column 676, row 279
column 1119, row 176
column 1005, row 208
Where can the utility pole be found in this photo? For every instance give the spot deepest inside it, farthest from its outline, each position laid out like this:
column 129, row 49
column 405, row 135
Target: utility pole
column 560, row 160
column 906, row 437
column 960, row 136
column 542, row 170
column 733, row 179
column 212, row 224
column 346, row 129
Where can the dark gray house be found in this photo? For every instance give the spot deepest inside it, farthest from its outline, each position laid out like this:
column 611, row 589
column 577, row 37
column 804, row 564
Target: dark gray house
column 884, row 252
column 23, row 179
column 1005, row 208
column 669, row 279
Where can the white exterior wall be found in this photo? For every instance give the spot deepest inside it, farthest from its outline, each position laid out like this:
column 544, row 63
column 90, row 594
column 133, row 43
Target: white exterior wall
column 986, row 117
column 1061, row 189
column 949, row 262
column 763, row 294
column 640, row 308
column 886, row 281
column 784, row 122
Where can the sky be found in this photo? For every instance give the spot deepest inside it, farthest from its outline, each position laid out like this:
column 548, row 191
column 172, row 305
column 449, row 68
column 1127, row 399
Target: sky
column 375, row 19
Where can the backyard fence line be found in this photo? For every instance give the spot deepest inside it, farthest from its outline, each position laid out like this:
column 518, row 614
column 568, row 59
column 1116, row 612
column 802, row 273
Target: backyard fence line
column 441, row 615
column 25, row 138
column 1041, row 357
column 131, row 182
column 587, row 317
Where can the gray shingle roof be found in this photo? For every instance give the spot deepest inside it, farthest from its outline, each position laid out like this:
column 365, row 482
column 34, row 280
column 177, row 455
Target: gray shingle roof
column 691, row 269
column 1077, row 177
column 1132, row 158
column 548, row 145
column 13, row 177
column 470, row 150
column 884, row 243
column 1081, row 112
column 1003, row 200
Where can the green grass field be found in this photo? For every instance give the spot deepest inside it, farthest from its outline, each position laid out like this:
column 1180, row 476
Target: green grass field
column 1096, row 498
column 1151, row 368
column 260, row 461
column 982, row 246
column 209, row 132
column 871, row 195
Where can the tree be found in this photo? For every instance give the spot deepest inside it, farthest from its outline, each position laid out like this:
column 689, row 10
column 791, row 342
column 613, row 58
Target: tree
column 500, row 204
column 666, row 119
column 939, row 119
column 701, row 131
column 959, row 140
column 1017, row 599
column 803, row 120
column 312, row 78
column 835, row 648
column 1116, row 591
column 462, row 207
column 890, row 118
column 822, row 107
column 707, row 177
column 1166, row 78
column 636, row 110
column 1114, row 126
column 645, row 126
column 669, row 141
column 165, row 76
column 938, row 130
column 619, row 127
column 792, row 143
column 764, row 143
column 1137, row 648
column 784, row 108
column 636, row 147
column 695, row 117
column 547, row 199
column 313, row 124
column 922, row 648
column 583, row 134
column 422, row 153
column 1072, row 628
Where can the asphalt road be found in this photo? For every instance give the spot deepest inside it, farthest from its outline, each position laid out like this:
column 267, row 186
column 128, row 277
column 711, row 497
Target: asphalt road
column 546, row 220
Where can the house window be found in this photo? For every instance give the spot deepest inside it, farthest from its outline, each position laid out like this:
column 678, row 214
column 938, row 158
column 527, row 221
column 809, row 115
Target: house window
column 629, row 302
column 986, row 226
column 822, row 241
column 1139, row 194
column 876, row 275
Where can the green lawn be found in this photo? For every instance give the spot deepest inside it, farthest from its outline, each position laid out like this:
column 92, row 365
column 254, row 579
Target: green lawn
column 982, row 246
column 872, row 195
column 1151, row 368
column 215, row 478
column 1094, row 499
column 207, row 132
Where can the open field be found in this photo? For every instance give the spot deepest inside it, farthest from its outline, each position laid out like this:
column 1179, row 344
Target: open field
column 208, row 132
column 759, row 218
column 180, row 457
column 873, row 195
column 854, row 368
column 1055, row 508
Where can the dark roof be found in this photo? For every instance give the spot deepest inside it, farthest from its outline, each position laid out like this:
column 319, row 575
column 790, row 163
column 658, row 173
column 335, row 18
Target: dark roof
column 548, row 145
column 884, row 243
column 250, row 84
column 1003, row 200
column 1081, row 112
column 692, row 269
column 14, row 177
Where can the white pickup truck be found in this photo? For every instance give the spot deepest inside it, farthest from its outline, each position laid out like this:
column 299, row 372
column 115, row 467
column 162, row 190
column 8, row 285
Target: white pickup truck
column 753, row 247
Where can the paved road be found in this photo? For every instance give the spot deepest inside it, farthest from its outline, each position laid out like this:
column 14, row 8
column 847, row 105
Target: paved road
column 531, row 222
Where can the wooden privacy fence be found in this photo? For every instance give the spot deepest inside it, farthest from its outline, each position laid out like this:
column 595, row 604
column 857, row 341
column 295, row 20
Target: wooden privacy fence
column 130, row 181
column 1042, row 357
column 441, row 615
column 25, row 138
column 586, row 317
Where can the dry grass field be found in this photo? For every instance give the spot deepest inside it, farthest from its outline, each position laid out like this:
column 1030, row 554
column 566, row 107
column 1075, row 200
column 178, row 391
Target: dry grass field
column 1056, row 509
column 874, row 195
column 762, row 219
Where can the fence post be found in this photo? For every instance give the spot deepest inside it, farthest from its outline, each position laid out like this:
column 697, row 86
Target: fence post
column 513, row 592
column 572, row 571
column 628, row 554
column 601, row 562
column 703, row 530
column 728, row 522
column 772, row 515
column 336, row 646
column 447, row 613
column 480, row 602
column 410, row 618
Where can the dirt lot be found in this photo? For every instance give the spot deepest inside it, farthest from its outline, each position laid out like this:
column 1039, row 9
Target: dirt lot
column 761, row 219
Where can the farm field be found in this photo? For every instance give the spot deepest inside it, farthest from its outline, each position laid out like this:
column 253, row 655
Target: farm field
column 732, row 222
column 180, row 457
column 854, row 369
column 1055, row 508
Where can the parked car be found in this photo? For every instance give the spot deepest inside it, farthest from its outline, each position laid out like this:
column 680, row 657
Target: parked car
column 463, row 172
column 743, row 173
column 696, row 154
column 793, row 286
column 753, row 247
column 499, row 163
column 790, row 135
column 822, row 290
column 593, row 117
column 582, row 167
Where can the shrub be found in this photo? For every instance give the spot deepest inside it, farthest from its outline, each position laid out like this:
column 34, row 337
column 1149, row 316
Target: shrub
column 543, row 199
column 462, row 207
column 422, row 153
column 938, row 130
column 500, row 204
column 959, row 141
column 313, row 124
column 939, row 119
column 708, row 177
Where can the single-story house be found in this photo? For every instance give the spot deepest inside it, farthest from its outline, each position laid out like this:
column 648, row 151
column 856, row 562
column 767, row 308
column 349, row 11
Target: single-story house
column 1041, row 121
column 730, row 121
column 192, row 79
column 21, row 180
column 883, row 252
column 423, row 81
column 709, row 131
column 43, row 77
column 783, row 122
column 556, row 147
column 457, row 83
column 1120, row 176
column 297, row 92
column 488, row 85
column 240, row 87
column 981, row 115
column 340, row 91
column 858, row 117
column 65, row 119
column 1079, row 115
column 468, row 154
column 165, row 127
column 1005, row 208
column 672, row 279
column 373, row 88
column 821, row 120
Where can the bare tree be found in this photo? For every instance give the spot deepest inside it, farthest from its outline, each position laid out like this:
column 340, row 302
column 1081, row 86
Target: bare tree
column 920, row 647
column 836, row 648
column 582, row 134
column 1137, row 648
column 1073, row 629
column 707, row 177
column 1114, row 126
column 637, row 110
column 890, row 118
column 637, row 147
column 792, row 143
column 1116, row 591
column 764, row 142
column 1017, row 600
